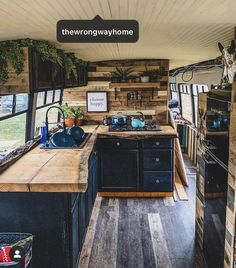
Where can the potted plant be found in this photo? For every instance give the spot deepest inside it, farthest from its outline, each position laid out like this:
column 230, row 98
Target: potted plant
column 79, row 116
column 150, row 75
column 155, row 75
column 145, row 77
column 69, row 114
column 121, row 75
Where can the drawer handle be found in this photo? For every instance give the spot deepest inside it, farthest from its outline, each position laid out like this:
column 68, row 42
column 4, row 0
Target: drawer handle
column 157, row 181
column 157, row 143
column 118, row 144
column 157, row 159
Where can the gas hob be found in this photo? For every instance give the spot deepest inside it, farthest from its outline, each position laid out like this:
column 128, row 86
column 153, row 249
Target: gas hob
column 123, row 128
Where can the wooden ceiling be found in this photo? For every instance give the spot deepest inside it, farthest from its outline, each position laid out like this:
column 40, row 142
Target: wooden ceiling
column 183, row 31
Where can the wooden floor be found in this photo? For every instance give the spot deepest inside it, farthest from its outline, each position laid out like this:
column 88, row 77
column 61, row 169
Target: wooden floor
column 143, row 233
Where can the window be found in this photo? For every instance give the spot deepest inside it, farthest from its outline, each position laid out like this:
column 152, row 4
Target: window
column 13, row 112
column 196, row 90
column 45, row 100
column 12, row 133
column 173, row 91
column 49, row 96
column 186, row 100
column 40, row 99
column 21, row 102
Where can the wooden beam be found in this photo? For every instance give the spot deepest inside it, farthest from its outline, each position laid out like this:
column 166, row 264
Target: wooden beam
column 180, row 188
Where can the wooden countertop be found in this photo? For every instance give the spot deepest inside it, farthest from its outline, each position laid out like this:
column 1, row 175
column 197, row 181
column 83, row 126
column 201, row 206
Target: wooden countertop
column 59, row 170
column 62, row 170
column 166, row 130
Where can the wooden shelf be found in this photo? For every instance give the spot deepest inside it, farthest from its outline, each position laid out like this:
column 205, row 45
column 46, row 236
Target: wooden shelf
column 217, row 133
column 134, row 85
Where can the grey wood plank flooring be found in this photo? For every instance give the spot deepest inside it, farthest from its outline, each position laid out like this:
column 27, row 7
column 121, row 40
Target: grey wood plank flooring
column 104, row 249
column 147, row 232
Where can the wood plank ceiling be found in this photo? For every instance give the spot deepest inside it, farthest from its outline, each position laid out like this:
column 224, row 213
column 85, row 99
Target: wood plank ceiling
column 183, row 31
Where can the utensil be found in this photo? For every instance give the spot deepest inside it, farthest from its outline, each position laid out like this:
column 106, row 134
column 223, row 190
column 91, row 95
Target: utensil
column 61, row 139
column 77, row 133
column 119, row 119
column 138, row 121
column 135, row 122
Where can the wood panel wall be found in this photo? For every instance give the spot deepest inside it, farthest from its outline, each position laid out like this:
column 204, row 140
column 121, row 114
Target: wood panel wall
column 17, row 83
column 98, row 77
column 200, row 187
column 230, row 234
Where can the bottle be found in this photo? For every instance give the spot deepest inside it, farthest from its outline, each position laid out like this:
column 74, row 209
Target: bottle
column 105, row 120
column 43, row 134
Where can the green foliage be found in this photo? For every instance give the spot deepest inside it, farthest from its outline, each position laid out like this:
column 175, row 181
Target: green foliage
column 70, row 61
column 78, row 113
column 121, row 73
column 11, row 53
column 154, row 74
column 72, row 112
column 67, row 110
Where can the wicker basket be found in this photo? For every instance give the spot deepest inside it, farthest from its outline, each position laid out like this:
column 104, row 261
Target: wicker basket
column 24, row 240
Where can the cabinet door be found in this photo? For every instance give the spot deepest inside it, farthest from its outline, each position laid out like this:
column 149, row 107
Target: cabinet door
column 42, row 73
column 119, row 170
column 82, row 219
column 94, row 174
column 75, row 240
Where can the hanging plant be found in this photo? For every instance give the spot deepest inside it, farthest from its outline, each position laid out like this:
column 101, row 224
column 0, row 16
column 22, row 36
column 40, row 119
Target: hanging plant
column 47, row 52
column 11, row 54
column 70, row 62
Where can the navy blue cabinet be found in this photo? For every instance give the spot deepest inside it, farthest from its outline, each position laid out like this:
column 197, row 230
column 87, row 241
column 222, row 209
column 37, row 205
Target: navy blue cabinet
column 157, row 159
column 158, row 181
column 58, row 221
column 119, row 170
column 157, row 143
column 135, row 165
column 158, row 164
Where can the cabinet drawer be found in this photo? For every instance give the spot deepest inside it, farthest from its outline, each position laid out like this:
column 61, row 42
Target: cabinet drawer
column 157, row 181
column 117, row 144
column 157, row 143
column 157, row 159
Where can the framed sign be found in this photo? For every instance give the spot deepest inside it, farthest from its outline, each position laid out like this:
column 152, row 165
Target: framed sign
column 97, row 101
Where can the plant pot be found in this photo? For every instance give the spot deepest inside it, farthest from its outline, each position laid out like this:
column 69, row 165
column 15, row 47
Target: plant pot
column 144, row 79
column 69, row 122
column 79, row 122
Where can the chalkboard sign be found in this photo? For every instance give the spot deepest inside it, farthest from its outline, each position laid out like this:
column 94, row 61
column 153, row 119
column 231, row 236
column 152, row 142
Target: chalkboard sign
column 97, row 101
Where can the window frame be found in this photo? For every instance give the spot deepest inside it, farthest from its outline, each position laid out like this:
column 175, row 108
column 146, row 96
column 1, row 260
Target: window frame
column 45, row 104
column 31, row 109
column 13, row 111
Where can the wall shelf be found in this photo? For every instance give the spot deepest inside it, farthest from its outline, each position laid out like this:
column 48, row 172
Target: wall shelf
column 137, row 86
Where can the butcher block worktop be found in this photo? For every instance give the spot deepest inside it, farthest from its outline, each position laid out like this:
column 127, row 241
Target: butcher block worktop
column 62, row 170
column 165, row 131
